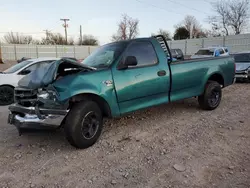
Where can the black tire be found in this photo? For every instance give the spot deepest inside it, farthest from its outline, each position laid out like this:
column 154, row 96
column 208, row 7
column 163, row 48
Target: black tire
column 211, row 97
column 6, row 95
column 79, row 118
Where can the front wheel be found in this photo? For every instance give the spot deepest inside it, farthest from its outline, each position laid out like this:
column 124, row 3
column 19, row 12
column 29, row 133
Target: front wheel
column 6, row 95
column 211, row 97
column 83, row 125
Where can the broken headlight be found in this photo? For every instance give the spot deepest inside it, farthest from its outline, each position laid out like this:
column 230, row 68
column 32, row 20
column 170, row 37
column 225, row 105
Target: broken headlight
column 46, row 95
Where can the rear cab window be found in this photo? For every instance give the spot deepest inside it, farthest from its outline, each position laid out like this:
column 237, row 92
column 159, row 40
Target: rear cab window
column 205, row 52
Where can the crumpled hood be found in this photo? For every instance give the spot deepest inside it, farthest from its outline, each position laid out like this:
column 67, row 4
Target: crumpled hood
column 200, row 56
column 45, row 75
column 242, row 66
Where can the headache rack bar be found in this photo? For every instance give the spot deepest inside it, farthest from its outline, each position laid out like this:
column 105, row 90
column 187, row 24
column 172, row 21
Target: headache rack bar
column 161, row 39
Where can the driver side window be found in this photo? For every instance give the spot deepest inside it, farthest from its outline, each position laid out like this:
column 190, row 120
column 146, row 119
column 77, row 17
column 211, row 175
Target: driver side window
column 143, row 51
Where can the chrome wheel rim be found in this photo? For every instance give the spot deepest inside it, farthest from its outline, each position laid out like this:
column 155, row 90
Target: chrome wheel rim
column 90, row 125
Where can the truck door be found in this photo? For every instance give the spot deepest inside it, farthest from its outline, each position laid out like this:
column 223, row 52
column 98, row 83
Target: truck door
column 146, row 81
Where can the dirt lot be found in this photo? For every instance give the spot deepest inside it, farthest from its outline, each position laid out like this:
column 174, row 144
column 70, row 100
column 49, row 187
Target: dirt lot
column 6, row 65
column 176, row 145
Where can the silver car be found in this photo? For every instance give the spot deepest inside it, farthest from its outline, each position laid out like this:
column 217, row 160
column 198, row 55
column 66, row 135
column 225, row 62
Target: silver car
column 242, row 63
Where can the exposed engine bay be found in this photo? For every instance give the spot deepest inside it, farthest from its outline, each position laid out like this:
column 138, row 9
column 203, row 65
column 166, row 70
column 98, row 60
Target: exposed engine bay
column 37, row 104
column 36, row 89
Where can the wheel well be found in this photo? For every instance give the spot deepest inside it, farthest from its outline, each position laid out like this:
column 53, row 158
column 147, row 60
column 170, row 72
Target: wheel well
column 218, row 78
column 102, row 103
column 8, row 86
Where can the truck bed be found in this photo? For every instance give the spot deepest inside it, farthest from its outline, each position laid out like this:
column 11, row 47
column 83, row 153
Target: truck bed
column 189, row 82
column 200, row 59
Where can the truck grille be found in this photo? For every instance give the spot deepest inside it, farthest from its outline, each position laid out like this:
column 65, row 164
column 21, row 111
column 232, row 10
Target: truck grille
column 25, row 95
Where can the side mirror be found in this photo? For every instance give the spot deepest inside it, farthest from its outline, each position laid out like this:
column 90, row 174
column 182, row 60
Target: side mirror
column 24, row 72
column 129, row 61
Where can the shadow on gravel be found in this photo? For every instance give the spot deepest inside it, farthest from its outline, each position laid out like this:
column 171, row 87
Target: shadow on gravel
column 55, row 138
column 42, row 139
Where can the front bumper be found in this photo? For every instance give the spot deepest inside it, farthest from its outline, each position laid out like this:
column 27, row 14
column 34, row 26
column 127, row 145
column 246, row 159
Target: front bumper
column 35, row 118
column 241, row 76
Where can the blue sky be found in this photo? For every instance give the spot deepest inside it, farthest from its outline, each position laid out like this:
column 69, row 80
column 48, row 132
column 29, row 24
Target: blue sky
column 97, row 17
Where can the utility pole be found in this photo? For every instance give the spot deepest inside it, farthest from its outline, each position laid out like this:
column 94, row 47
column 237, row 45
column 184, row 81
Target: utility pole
column 191, row 31
column 47, row 33
column 1, row 60
column 80, row 35
column 65, row 25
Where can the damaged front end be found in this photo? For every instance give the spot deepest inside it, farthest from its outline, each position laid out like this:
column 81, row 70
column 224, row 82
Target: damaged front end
column 37, row 102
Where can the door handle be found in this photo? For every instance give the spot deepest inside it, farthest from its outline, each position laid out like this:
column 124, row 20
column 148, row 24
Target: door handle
column 161, row 73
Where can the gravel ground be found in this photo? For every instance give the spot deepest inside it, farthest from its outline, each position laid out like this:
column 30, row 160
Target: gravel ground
column 174, row 145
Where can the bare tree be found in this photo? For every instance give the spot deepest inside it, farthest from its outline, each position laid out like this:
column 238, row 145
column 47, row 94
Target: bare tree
column 220, row 21
column 230, row 15
column 238, row 15
column 165, row 33
column 88, row 40
column 127, row 29
column 192, row 25
column 56, row 38
column 16, row 38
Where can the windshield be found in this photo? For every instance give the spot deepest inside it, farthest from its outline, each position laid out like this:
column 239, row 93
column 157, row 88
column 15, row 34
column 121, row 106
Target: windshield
column 105, row 55
column 243, row 58
column 16, row 67
column 205, row 52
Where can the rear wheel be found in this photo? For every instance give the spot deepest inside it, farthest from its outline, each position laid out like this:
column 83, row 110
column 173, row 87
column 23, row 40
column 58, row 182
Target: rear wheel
column 83, row 125
column 211, row 97
column 6, row 95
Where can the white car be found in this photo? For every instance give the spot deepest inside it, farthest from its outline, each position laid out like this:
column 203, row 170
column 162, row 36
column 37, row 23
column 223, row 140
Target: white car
column 9, row 78
column 211, row 52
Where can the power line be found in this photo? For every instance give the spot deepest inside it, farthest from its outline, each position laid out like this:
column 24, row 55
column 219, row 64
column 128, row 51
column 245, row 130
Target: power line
column 188, row 7
column 157, row 7
column 30, row 33
column 22, row 32
column 171, row 10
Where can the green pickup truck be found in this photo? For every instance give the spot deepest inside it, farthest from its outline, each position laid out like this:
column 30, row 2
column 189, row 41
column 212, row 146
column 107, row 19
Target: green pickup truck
column 117, row 79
